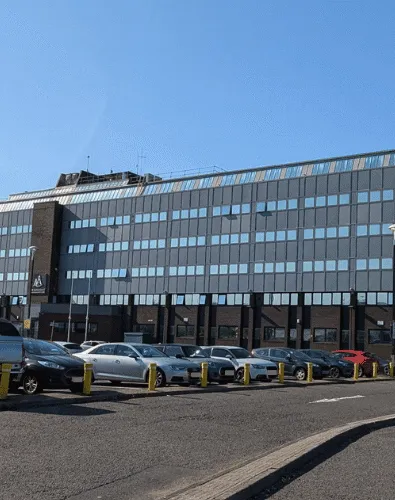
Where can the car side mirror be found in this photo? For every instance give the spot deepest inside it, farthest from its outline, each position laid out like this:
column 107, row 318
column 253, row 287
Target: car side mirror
column 288, row 357
column 133, row 356
column 228, row 356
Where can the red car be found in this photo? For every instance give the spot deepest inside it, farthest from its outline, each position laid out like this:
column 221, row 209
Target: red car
column 363, row 358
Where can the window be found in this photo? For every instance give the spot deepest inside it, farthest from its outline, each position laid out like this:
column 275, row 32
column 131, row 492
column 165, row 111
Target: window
column 227, row 332
column 362, row 230
column 332, row 200
column 308, row 234
column 361, row 265
column 320, row 201
column 374, row 264
column 273, row 334
column 185, row 331
column 374, row 161
column 280, row 236
column 321, row 168
column 259, row 237
column 282, row 205
column 344, row 199
column 261, row 207
column 271, row 206
column 272, row 174
column 342, row 265
column 291, row 235
column 307, row 266
column 388, row 195
column 343, row 165
column 280, row 268
column 291, row 267
column 344, row 232
column 331, row 232
column 269, row 267
column 379, row 336
column 320, row 233
column 325, row 335
column 330, row 265
column 374, row 229
column 386, row 263
column 293, row 172
column 363, row 197
column 309, row 203
column 375, row 196
column 318, row 265
column 292, row 204
column 258, row 268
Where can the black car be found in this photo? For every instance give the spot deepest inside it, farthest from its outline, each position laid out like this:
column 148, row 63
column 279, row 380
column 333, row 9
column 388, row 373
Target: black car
column 338, row 367
column 295, row 362
column 221, row 371
column 48, row 366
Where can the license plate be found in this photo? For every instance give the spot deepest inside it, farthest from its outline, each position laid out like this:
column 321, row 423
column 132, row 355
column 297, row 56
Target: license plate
column 195, row 374
column 229, row 373
column 77, row 379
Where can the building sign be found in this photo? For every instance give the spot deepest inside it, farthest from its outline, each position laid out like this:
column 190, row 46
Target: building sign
column 39, row 284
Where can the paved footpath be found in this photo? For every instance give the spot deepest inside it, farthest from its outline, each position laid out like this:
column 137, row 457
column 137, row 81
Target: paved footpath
column 150, row 448
column 364, row 470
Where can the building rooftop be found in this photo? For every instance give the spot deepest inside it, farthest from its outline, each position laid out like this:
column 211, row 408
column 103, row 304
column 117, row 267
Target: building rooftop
column 86, row 187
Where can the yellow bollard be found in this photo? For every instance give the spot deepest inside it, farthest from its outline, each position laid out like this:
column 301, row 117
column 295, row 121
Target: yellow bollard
column 281, row 373
column 309, row 372
column 247, row 374
column 204, row 374
column 88, row 368
column 5, row 380
column 152, row 377
column 391, row 367
column 375, row 369
column 356, row 371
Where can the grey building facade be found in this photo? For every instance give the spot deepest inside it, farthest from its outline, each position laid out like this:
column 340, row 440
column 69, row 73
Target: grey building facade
column 298, row 255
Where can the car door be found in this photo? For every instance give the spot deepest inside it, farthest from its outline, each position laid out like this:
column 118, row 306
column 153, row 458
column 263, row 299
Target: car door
column 127, row 363
column 280, row 356
column 219, row 353
column 102, row 358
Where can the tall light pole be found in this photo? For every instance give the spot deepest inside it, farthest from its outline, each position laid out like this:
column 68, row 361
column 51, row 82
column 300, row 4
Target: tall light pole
column 71, row 302
column 32, row 252
column 87, row 310
column 392, row 228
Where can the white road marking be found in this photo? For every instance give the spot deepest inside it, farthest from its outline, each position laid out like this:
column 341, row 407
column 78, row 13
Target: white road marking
column 334, row 400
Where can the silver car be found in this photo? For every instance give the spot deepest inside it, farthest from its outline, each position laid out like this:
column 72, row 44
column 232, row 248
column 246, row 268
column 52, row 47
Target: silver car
column 69, row 347
column 91, row 343
column 127, row 362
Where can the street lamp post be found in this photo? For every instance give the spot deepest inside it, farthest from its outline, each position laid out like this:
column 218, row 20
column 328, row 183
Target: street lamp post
column 392, row 228
column 32, row 251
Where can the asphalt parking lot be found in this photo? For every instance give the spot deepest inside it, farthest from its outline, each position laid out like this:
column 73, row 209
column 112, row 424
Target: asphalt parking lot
column 151, row 447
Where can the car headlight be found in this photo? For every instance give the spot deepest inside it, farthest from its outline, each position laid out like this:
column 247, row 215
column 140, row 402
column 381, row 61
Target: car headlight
column 257, row 367
column 315, row 365
column 178, row 368
column 50, row 364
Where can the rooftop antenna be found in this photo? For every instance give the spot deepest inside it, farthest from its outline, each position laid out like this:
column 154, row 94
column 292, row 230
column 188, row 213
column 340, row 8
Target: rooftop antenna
column 140, row 158
column 87, row 163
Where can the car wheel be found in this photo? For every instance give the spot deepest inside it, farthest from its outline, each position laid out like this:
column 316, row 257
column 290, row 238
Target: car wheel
column 160, row 378
column 334, row 372
column 76, row 388
column 239, row 377
column 300, row 374
column 386, row 370
column 30, row 383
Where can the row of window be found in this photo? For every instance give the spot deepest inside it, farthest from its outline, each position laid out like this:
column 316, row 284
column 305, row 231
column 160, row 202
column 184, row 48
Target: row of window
column 229, row 239
column 191, row 241
column 112, row 273
column 15, row 230
column 15, row 252
column 278, row 267
column 90, row 247
column 324, row 265
column 273, row 206
column 327, row 201
column 150, row 217
column 114, row 246
column 76, row 327
column 80, row 274
column 193, row 213
column 373, row 229
column 326, row 232
column 373, row 264
column 143, row 272
column 289, row 235
column 186, row 271
column 375, row 196
column 245, row 208
column 14, row 276
column 228, row 269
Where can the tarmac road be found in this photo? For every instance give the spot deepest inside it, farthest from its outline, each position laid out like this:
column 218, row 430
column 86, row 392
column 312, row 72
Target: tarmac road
column 149, row 448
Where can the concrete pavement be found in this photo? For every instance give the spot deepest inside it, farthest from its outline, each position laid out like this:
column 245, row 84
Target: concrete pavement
column 153, row 447
column 363, row 470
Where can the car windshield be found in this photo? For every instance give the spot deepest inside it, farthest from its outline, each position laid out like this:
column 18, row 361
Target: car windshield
column 240, row 353
column 148, row 351
column 300, row 355
column 42, row 348
column 191, row 350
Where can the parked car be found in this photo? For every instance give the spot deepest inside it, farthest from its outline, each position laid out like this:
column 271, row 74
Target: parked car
column 295, row 362
column 127, row 362
column 48, row 366
column 338, row 367
column 364, row 359
column 91, row 343
column 69, row 347
column 11, row 349
column 219, row 370
column 259, row 369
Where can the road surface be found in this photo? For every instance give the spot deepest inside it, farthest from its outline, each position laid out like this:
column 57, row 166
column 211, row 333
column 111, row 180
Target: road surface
column 148, row 448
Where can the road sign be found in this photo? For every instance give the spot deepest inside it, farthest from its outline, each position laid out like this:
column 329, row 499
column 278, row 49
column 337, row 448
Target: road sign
column 26, row 324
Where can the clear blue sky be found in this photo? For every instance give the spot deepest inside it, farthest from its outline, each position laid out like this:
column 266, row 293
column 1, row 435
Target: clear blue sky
column 192, row 83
